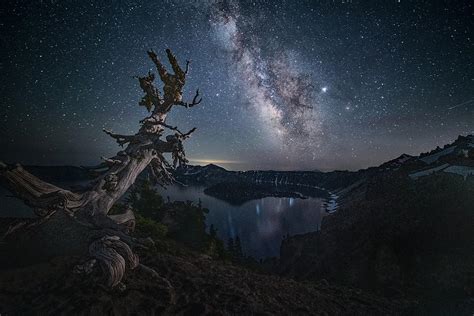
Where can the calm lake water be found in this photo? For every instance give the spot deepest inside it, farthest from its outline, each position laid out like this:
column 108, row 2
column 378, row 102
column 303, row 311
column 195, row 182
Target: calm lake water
column 260, row 224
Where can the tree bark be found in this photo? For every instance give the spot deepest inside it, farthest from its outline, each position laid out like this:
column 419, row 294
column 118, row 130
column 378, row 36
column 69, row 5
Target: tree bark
column 79, row 222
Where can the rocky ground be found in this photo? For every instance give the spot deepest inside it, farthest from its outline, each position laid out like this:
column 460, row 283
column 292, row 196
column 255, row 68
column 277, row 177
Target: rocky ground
column 189, row 284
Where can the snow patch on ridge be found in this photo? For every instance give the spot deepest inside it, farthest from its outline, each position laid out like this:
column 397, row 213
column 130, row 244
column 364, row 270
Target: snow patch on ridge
column 423, row 173
column 464, row 171
column 433, row 158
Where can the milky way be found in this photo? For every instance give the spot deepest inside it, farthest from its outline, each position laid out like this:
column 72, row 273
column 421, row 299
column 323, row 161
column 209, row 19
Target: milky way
column 279, row 94
column 286, row 85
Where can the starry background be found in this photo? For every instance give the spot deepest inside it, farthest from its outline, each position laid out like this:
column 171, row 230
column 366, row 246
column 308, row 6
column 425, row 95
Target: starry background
column 287, row 85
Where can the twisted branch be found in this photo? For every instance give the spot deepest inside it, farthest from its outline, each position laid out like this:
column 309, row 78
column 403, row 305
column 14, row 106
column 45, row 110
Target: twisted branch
column 89, row 209
column 121, row 139
column 193, row 103
column 175, row 128
column 152, row 96
column 114, row 256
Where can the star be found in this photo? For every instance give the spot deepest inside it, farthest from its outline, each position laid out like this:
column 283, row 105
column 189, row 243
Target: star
column 279, row 92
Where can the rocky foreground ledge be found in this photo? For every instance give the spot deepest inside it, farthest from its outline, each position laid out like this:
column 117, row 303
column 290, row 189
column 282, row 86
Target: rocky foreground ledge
column 189, row 284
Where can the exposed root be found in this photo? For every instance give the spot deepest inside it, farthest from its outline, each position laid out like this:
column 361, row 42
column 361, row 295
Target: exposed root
column 114, row 257
column 85, row 268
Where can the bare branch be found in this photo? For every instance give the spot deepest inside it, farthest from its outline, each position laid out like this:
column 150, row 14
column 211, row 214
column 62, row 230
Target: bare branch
column 188, row 134
column 152, row 96
column 187, row 67
column 175, row 128
column 174, row 64
column 112, row 162
column 39, row 195
column 121, row 139
column 173, row 83
column 195, row 101
column 159, row 169
column 159, row 66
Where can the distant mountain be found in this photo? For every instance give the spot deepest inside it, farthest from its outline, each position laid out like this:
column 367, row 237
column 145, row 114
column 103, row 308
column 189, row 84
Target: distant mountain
column 454, row 159
column 457, row 154
column 211, row 175
column 237, row 193
column 397, row 162
column 203, row 175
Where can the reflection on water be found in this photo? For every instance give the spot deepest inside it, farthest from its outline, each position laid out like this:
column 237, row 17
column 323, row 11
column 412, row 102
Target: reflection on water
column 260, row 224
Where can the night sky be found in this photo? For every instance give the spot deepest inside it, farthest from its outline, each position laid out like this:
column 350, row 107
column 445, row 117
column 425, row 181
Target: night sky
column 288, row 85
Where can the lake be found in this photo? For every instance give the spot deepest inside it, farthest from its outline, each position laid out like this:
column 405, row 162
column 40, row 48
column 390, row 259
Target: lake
column 260, row 224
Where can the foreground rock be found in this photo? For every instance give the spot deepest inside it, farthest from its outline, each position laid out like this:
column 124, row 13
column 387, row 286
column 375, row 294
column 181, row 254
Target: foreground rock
column 189, row 284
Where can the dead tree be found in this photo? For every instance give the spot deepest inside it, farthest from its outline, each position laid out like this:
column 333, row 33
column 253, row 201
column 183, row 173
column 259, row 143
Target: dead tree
column 71, row 222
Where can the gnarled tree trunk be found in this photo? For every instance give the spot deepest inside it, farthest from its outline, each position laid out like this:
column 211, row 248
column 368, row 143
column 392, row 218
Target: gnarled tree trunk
column 78, row 222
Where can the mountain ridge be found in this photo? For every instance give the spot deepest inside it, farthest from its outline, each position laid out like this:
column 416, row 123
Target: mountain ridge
column 405, row 231
column 207, row 172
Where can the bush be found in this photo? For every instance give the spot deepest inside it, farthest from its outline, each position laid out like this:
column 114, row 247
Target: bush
column 184, row 222
column 147, row 227
column 146, row 201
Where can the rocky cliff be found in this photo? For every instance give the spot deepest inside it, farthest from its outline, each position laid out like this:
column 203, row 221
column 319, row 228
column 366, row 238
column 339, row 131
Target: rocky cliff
column 399, row 235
